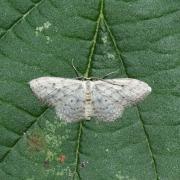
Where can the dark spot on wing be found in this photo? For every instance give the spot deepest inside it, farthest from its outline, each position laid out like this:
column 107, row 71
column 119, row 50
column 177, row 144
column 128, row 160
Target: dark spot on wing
column 52, row 96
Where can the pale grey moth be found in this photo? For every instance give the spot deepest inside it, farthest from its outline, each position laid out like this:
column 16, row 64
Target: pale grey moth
column 75, row 100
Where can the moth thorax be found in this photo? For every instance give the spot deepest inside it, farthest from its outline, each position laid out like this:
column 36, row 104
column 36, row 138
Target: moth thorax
column 88, row 100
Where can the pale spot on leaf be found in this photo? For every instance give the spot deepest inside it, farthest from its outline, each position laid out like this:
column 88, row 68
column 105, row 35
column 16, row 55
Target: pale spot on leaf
column 110, row 56
column 104, row 39
column 119, row 176
column 45, row 26
column 48, row 39
column 107, row 150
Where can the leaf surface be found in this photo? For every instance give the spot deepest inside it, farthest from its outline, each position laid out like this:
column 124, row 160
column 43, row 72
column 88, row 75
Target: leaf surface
column 140, row 39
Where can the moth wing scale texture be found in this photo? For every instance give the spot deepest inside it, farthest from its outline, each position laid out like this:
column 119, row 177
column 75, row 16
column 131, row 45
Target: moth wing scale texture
column 66, row 95
column 110, row 97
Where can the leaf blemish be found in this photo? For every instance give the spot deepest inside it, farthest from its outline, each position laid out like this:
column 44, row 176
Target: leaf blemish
column 46, row 164
column 107, row 150
column 50, row 155
column 119, row 176
column 83, row 164
column 110, row 56
column 104, row 39
column 48, row 39
column 35, row 142
column 61, row 158
column 40, row 29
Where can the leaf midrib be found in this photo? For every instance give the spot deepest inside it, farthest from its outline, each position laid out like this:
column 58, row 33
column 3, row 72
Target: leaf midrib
column 87, row 73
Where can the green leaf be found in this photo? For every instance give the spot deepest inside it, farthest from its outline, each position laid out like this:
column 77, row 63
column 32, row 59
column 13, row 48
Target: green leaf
column 141, row 39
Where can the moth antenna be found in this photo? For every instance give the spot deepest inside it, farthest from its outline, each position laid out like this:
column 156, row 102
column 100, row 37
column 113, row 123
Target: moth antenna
column 104, row 80
column 79, row 77
column 78, row 74
column 110, row 74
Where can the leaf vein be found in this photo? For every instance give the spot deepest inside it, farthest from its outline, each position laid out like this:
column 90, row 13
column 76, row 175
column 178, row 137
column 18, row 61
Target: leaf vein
column 17, row 107
column 21, row 18
column 140, row 117
column 139, row 19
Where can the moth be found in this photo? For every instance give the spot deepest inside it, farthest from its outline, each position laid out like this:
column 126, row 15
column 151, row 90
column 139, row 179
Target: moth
column 75, row 100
